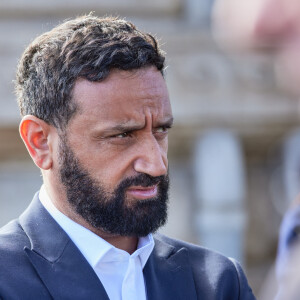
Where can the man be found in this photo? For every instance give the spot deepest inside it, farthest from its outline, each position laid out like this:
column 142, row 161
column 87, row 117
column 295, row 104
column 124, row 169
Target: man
column 96, row 115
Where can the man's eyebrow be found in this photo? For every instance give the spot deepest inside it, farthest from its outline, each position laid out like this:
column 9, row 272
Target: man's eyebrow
column 128, row 126
column 124, row 127
column 166, row 123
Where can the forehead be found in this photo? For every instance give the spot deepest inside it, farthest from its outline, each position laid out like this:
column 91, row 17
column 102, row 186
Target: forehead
column 122, row 96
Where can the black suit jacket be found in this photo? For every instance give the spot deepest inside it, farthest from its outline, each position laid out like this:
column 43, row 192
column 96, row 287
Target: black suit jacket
column 39, row 261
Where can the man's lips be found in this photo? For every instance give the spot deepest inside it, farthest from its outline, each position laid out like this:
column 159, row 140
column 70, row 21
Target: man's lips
column 142, row 192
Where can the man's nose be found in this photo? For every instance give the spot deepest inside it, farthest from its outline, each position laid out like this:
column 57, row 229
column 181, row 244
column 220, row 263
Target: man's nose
column 152, row 158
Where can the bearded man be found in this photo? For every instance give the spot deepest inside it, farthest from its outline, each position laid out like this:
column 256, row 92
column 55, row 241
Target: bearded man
column 96, row 115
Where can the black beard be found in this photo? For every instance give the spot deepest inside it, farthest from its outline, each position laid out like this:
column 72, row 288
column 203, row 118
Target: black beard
column 111, row 212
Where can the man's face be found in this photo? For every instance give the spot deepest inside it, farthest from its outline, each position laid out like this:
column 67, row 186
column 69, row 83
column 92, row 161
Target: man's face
column 113, row 154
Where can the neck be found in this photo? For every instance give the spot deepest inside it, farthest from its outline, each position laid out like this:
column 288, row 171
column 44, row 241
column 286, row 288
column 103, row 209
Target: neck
column 128, row 244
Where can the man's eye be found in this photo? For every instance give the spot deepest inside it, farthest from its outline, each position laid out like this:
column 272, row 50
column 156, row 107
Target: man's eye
column 122, row 135
column 162, row 129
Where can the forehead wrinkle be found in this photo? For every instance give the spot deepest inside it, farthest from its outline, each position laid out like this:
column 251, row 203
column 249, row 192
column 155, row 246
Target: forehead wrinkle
column 149, row 117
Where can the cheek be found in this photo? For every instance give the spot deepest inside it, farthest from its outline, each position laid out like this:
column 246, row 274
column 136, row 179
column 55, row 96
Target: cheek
column 164, row 149
column 110, row 164
column 110, row 167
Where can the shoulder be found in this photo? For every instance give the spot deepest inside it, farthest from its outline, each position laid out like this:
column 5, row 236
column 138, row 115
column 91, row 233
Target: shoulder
column 13, row 258
column 212, row 270
column 195, row 251
column 16, row 272
column 205, row 257
column 12, row 238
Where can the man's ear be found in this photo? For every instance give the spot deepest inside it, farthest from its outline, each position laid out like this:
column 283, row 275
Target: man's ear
column 35, row 134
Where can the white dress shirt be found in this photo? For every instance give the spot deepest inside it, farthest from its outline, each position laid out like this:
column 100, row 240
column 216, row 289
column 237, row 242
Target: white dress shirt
column 120, row 273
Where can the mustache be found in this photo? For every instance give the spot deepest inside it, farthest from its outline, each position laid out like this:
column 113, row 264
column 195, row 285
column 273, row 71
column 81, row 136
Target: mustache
column 143, row 180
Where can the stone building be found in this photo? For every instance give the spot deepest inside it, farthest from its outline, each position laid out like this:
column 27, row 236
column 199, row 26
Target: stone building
column 210, row 92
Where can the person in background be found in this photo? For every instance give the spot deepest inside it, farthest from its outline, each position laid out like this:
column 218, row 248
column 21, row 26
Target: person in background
column 272, row 25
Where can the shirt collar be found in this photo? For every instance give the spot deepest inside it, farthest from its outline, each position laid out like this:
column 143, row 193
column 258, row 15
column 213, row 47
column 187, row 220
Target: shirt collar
column 93, row 247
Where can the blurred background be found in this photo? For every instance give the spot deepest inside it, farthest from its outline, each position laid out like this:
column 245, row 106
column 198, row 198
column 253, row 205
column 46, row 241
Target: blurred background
column 233, row 159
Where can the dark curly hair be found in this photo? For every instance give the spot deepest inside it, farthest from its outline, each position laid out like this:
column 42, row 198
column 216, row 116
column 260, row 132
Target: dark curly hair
column 86, row 47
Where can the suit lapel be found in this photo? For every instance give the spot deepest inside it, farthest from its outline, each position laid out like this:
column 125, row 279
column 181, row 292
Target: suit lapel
column 56, row 259
column 67, row 275
column 168, row 274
